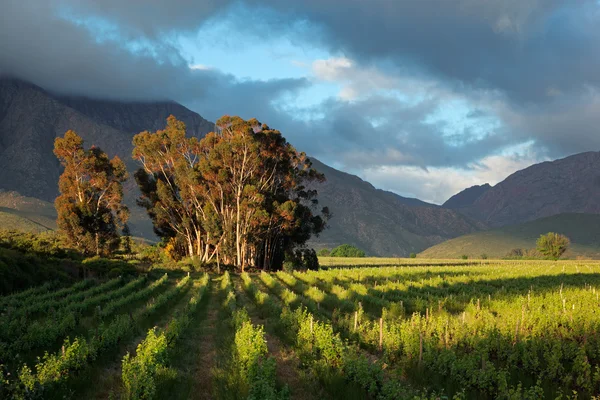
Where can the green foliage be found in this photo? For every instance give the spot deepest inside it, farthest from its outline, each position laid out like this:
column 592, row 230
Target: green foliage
column 413, row 255
column 255, row 369
column 324, row 253
column 46, row 244
column 19, row 271
column 139, row 372
column 90, row 205
column 464, row 257
column 553, row 245
column 100, row 266
column 346, row 250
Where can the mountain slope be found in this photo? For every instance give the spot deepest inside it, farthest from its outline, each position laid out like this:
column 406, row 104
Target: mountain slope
column 467, row 197
column 571, row 184
column 380, row 222
column 31, row 118
column 25, row 213
column 582, row 229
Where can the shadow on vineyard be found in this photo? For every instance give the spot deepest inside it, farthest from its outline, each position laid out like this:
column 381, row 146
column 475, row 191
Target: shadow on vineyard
column 499, row 329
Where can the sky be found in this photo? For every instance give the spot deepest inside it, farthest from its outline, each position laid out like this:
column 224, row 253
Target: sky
column 423, row 98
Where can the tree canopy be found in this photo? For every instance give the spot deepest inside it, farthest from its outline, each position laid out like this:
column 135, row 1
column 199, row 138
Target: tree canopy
column 238, row 195
column 90, row 206
column 347, row 250
column 553, row 245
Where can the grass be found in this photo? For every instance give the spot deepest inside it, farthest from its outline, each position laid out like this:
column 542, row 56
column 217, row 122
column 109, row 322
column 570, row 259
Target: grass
column 582, row 229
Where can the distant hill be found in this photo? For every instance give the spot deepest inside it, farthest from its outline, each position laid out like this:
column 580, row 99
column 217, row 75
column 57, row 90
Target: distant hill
column 568, row 185
column 582, row 229
column 25, row 213
column 467, row 197
column 380, row 222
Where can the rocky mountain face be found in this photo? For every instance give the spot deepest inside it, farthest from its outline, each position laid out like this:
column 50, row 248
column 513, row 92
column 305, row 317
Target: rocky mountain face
column 31, row 118
column 467, row 197
column 380, row 222
column 568, row 185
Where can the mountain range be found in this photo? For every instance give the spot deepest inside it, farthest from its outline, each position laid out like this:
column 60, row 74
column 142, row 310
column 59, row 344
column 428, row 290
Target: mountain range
column 568, row 185
column 380, row 222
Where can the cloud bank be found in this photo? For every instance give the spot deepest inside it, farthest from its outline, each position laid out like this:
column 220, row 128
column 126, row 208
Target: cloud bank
column 430, row 96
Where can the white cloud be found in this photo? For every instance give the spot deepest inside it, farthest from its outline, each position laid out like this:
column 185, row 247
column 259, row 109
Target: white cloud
column 331, row 69
column 200, row 67
column 436, row 185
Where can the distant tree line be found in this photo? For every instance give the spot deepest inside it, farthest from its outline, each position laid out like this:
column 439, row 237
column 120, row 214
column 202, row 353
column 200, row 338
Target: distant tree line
column 238, row 196
column 344, row 250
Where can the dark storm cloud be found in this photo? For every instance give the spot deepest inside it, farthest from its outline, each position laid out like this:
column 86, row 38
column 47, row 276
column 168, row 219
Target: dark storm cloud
column 531, row 64
column 39, row 45
column 539, row 58
column 523, row 47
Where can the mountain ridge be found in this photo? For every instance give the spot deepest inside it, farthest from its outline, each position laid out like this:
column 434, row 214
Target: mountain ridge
column 567, row 185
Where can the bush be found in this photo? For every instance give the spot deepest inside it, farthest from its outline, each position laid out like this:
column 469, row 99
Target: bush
column 464, row 257
column 19, row 271
column 324, row 253
column 413, row 255
column 484, row 256
column 47, row 244
column 104, row 266
column 346, row 250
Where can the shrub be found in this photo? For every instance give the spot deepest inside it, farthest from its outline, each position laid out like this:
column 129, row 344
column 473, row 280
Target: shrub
column 484, row 256
column 464, row 257
column 103, row 266
column 346, row 250
column 413, row 255
column 324, row 253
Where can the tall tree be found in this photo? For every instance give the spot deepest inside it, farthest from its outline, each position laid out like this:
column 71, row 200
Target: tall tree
column 90, row 206
column 238, row 194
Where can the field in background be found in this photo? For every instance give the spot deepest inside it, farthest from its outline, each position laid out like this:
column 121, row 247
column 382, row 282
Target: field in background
column 399, row 329
column 582, row 229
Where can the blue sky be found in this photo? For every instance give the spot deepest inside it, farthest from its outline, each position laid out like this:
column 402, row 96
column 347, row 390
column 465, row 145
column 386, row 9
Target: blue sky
column 421, row 98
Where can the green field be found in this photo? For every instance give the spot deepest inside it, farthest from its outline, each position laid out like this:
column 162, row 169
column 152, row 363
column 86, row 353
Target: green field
column 582, row 229
column 403, row 329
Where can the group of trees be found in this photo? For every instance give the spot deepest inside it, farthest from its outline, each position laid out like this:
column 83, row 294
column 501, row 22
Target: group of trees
column 343, row 250
column 238, row 196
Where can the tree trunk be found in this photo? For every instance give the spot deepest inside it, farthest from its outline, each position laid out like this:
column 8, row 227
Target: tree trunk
column 237, row 232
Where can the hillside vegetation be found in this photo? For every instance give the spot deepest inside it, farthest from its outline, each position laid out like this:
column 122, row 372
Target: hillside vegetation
column 25, row 213
column 582, row 229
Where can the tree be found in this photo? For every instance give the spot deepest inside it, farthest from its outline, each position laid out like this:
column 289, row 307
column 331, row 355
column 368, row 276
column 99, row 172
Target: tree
column 346, row 250
column 553, row 245
column 324, row 253
column 90, row 206
column 413, row 255
column 126, row 239
column 239, row 194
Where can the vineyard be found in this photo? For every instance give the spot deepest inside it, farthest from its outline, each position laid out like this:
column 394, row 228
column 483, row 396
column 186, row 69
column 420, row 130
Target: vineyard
column 389, row 329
